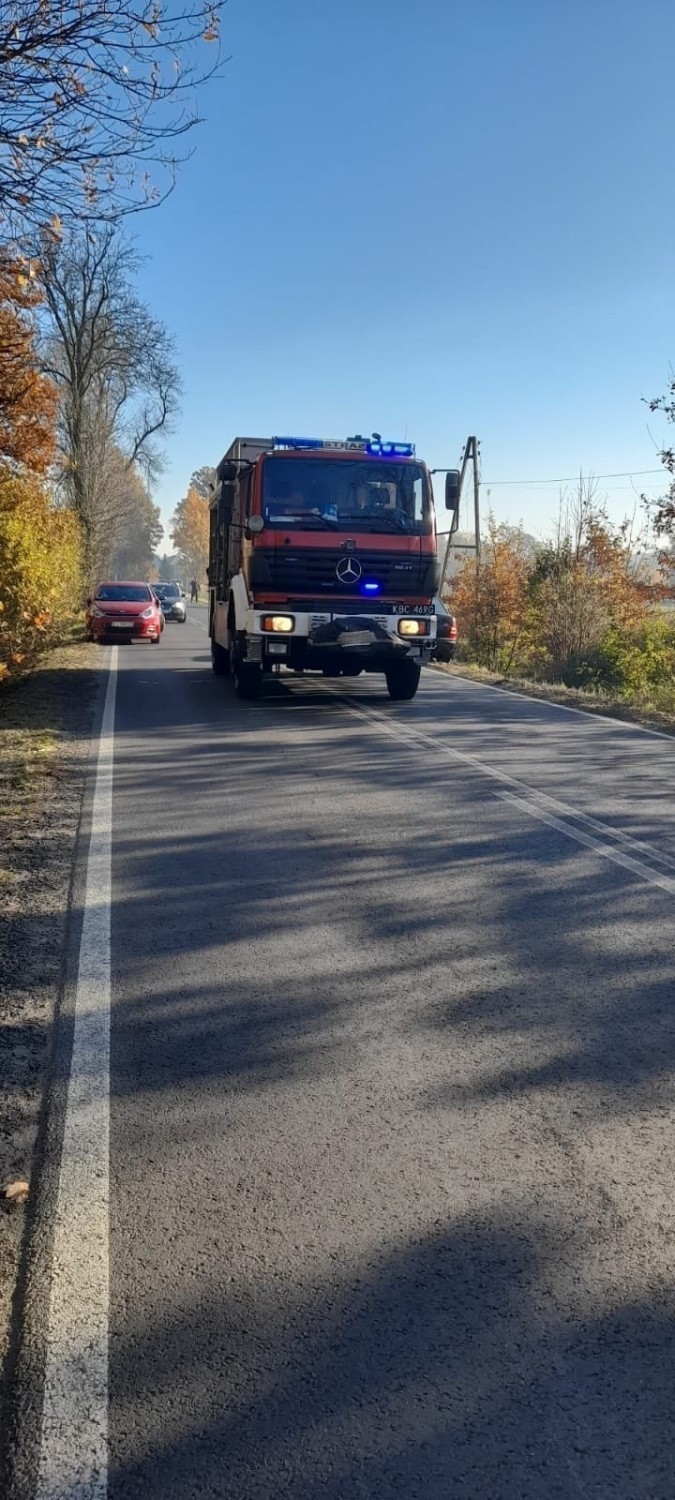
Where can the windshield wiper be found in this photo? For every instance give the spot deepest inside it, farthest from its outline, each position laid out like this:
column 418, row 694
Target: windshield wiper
column 305, row 516
column 395, row 523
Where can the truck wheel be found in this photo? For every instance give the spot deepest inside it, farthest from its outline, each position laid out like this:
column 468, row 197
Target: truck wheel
column 220, row 660
column 248, row 680
column 403, row 680
column 246, row 675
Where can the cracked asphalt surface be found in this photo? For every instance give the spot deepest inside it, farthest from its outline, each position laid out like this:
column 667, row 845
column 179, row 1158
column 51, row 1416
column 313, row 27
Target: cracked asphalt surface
column 392, row 1206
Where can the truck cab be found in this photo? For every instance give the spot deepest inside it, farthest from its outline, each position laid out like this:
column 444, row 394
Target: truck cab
column 323, row 557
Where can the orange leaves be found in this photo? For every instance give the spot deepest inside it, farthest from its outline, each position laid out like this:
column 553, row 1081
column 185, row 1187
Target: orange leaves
column 491, row 599
column 190, row 532
column 211, row 32
column 28, row 400
column 544, row 610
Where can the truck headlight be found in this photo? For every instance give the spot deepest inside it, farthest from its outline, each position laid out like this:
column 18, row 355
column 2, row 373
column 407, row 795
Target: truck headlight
column 281, row 623
column 410, row 626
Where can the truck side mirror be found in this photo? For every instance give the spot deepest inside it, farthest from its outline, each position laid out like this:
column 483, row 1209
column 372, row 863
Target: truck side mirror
column 452, row 489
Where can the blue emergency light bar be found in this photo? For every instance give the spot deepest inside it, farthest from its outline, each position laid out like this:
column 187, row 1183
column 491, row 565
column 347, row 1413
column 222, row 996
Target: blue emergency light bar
column 373, row 447
column 378, row 449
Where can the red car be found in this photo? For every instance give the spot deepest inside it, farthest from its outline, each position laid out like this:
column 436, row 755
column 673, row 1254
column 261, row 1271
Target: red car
column 124, row 612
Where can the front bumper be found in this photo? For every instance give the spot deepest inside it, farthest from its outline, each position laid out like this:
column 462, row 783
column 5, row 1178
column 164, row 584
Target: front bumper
column 120, row 630
column 332, row 640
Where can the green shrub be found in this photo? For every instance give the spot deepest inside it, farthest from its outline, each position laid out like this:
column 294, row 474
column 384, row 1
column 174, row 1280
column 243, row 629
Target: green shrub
column 637, row 664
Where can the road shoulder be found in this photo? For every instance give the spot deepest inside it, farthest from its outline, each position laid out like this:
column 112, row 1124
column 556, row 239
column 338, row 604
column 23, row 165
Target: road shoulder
column 46, row 725
column 601, row 705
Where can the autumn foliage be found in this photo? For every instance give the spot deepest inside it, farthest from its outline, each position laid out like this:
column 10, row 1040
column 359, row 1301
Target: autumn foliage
column 584, row 609
column 40, row 550
column 190, row 533
column 491, row 598
column 28, row 399
column 40, row 571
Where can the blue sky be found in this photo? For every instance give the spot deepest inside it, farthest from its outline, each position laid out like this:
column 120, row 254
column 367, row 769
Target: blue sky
column 433, row 218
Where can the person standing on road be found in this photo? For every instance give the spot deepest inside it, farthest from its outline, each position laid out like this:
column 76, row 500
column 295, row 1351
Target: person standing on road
column 194, row 591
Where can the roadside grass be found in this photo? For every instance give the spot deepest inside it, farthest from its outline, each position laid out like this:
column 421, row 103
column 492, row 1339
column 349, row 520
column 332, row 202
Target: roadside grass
column 34, row 717
column 595, row 702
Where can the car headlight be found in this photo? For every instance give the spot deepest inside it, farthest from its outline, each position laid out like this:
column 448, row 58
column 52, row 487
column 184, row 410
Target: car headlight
column 283, row 623
column 147, row 614
column 409, row 626
column 99, row 614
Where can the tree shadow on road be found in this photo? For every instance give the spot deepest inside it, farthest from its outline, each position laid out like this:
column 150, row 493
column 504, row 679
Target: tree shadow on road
column 429, row 1369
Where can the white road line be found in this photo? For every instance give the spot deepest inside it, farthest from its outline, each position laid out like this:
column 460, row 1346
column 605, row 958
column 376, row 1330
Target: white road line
column 74, row 1441
column 617, row 857
column 198, row 623
column 564, row 708
column 409, row 734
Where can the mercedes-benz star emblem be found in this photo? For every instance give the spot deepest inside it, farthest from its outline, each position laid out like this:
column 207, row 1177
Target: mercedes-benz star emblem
column 348, row 570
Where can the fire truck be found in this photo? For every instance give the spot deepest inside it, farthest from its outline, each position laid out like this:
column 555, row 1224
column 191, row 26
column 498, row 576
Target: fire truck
column 323, row 558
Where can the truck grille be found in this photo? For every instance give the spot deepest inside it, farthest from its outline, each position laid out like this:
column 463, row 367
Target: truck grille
column 311, row 572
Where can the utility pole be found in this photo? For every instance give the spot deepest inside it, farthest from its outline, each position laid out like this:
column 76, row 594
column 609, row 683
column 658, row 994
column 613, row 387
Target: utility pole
column 469, row 456
column 476, row 494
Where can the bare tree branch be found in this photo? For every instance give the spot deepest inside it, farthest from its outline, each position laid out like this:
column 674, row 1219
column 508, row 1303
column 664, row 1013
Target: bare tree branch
column 114, row 366
column 94, row 98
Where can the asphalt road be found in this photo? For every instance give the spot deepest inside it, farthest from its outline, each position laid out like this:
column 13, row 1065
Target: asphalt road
column 392, row 1059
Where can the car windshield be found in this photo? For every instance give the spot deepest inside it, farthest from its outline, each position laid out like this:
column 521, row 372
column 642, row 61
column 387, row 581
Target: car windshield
column 124, row 593
column 167, row 590
column 366, row 495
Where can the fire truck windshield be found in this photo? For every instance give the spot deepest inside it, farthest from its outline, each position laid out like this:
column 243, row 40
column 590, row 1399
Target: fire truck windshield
column 371, row 495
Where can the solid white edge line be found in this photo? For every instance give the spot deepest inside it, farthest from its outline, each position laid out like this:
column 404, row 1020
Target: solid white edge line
column 408, row 734
column 73, row 1461
column 652, row 876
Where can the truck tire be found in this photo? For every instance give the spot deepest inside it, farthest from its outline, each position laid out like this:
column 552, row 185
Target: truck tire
column 403, row 680
column 246, row 675
column 248, row 680
column 220, row 660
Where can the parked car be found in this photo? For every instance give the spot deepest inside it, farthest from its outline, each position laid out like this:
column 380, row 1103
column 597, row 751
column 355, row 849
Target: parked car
column 172, row 601
column 446, row 633
column 124, row 611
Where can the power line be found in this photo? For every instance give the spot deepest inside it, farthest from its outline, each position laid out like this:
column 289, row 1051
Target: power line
column 572, row 478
